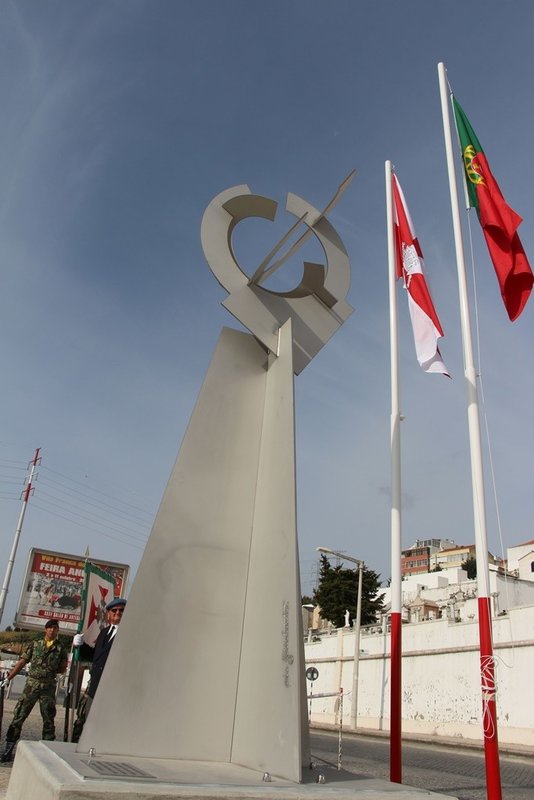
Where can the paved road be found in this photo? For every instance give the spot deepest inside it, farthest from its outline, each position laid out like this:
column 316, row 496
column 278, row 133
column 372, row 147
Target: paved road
column 450, row 770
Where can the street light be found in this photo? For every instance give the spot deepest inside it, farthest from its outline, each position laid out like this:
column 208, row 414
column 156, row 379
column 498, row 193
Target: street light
column 308, row 608
column 356, row 668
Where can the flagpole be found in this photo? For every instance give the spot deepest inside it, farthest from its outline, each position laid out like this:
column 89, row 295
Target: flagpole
column 395, row 759
column 487, row 669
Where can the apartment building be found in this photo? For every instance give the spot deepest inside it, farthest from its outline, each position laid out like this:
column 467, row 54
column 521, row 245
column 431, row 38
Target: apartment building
column 417, row 558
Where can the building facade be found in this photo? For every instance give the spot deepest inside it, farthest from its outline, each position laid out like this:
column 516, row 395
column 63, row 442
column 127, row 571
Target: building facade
column 521, row 560
column 417, row 558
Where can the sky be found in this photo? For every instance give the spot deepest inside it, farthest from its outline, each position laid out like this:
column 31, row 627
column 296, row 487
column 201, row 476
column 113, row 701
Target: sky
column 120, row 122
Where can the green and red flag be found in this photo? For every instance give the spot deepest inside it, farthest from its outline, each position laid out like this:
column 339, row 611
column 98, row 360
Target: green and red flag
column 98, row 591
column 499, row 222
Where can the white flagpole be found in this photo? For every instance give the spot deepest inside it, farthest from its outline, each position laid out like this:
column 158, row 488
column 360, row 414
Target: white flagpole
column 477, row 475
column 396, row 592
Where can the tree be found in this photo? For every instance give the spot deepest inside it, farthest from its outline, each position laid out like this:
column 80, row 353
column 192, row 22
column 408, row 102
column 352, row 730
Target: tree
column 437, row 568
column 338, row 592
column 470, row 566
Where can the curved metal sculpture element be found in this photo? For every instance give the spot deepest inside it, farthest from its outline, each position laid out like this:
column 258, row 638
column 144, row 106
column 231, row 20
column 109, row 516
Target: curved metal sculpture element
column 316, row 307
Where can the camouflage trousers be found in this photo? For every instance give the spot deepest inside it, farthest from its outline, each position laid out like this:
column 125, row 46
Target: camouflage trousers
column 34, row 691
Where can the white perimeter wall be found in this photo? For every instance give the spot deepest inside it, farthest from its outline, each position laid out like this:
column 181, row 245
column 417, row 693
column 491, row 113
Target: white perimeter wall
column 441, row 687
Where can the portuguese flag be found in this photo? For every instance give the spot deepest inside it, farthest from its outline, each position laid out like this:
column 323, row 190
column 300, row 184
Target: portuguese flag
column 499, row 222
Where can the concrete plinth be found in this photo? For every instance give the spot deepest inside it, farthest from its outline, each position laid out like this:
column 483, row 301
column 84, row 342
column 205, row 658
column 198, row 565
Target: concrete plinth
column 55, row 771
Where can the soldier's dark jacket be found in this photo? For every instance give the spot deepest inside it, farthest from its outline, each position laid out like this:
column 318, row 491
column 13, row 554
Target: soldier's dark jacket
column 45, row 661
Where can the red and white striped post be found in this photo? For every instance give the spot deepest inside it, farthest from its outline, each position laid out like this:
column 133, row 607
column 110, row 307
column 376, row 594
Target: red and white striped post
column 487, row 669
column 25, row 498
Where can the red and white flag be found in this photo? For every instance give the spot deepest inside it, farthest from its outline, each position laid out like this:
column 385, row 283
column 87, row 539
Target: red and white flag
column 425, row 323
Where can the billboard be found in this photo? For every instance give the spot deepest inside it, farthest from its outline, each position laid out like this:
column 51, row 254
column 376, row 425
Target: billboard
column 53, row 585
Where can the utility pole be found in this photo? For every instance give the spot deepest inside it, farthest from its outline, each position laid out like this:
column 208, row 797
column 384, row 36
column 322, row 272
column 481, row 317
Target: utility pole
column 25, row 497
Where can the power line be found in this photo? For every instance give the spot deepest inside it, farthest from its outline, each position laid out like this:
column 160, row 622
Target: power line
column 77, row 495
column 93, row 530
column 98, row 491
column 6, row 462
column 93, row 518
column 118, row 520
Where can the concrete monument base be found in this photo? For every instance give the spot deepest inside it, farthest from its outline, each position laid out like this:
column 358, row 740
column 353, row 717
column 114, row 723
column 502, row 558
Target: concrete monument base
column 55, row 771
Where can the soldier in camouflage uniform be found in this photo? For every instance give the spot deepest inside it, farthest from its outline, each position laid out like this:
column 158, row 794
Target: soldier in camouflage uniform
column 47, row 657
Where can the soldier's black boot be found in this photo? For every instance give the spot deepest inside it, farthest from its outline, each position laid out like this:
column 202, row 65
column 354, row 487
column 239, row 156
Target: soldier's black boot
column 9, row 752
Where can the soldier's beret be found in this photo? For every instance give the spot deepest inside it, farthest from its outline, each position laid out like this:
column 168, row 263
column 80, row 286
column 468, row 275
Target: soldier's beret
column 115, row 603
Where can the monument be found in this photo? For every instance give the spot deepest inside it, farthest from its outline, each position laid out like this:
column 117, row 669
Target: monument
column 204, row 690
column 221, row 566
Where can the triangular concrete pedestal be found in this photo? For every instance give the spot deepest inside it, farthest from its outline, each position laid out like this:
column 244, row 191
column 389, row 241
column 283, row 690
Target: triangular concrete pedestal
column 208, row 663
